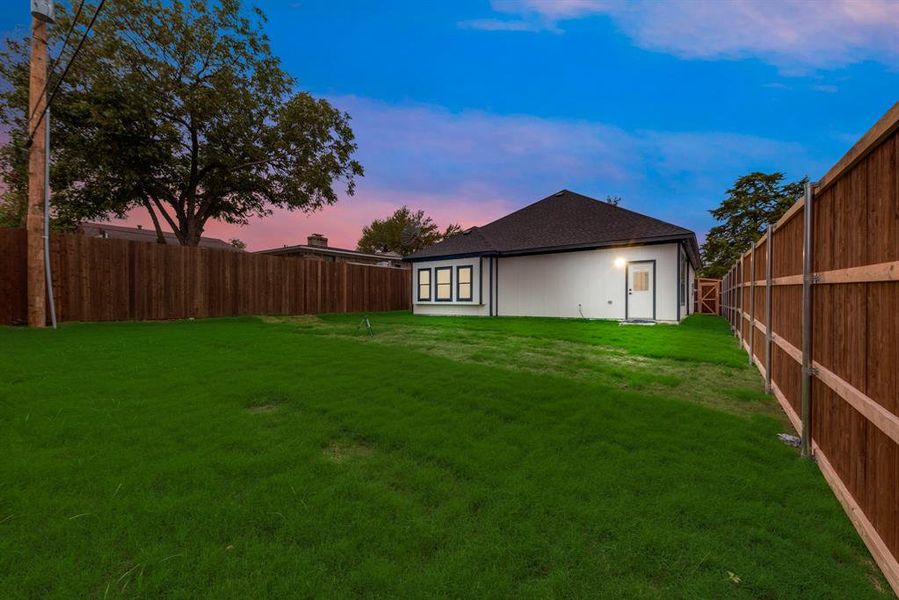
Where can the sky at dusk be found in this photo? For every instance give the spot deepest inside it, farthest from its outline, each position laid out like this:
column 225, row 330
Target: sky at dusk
column 471, row 109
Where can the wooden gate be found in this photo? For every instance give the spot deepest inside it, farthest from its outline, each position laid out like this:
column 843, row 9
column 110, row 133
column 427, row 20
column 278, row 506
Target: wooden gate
column 708, row 294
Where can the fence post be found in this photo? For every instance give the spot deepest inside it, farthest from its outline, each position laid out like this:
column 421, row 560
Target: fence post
column 725, row 295
column 738, row 318
column 346, row 284
column 751, row 302
column 742, row 298
column 736, row 300
column 806, row 392
column 730, row 299
column 769, row 250
column 730, row 316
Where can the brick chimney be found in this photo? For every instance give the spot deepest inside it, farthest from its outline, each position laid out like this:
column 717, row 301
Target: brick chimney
column 318, row 240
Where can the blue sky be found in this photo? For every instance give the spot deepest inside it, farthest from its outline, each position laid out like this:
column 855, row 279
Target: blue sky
column 470, row 109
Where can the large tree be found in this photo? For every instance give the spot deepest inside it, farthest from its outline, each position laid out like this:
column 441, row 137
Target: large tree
column 179, row 108
column 405, row 231
column 754, row 201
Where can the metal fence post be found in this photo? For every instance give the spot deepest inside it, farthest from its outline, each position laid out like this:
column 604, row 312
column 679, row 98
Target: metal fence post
column 725, row 298
column 751, row 302
column 807, row 276
column 730, row 317
column 734, row 300
column 738, row 296
column 769, row 248
column 739, row 317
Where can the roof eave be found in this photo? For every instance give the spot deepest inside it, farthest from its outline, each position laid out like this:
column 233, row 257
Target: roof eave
column 412, row 258
column 690, row 237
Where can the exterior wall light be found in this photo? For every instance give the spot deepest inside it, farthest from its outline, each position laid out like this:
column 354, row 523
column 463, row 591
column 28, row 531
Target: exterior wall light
column 619, row 262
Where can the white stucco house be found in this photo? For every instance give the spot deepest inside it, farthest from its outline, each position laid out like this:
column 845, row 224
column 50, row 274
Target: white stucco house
column 567, row 255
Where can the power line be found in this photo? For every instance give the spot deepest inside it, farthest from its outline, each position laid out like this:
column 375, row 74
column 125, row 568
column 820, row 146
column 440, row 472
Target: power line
column 59, row 57
column 65, row 72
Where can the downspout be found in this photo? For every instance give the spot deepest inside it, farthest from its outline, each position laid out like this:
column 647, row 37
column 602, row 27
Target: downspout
column 490, row 305
column 497, row 286
column 49, row 272
column 677, row 284
column 481, row 280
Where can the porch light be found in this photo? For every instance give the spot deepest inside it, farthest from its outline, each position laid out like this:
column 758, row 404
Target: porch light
column 619, row 262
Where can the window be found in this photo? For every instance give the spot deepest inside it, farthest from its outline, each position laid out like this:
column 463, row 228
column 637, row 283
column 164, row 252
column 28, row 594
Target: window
column 641, row 281
column 683, row 280
column 444, row 277
column 463, row 284
column 424, row 285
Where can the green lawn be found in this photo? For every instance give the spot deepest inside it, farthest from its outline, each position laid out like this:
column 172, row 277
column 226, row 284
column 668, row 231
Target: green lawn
column 441, row 457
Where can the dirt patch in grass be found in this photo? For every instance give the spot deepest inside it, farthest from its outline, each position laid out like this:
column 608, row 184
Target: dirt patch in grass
column 874, row 576
column 302, row 321
column 265, row 403
column 263, row 408
column 346, row 450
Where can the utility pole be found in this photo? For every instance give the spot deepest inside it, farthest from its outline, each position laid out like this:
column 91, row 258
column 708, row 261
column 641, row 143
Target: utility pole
column 41, row 15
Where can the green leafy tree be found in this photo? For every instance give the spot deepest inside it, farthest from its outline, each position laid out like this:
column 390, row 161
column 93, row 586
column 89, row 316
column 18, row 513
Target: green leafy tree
column 181, row 109
column 12, row 208
column 754, row 201
column 404, row 232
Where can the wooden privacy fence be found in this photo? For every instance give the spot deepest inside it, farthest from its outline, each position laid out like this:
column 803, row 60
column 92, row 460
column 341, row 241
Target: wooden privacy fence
column 708, row 295
column 815, row 303
column 116, row 280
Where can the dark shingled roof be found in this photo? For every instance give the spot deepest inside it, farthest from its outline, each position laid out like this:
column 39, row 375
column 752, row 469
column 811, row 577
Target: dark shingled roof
column 563, row 221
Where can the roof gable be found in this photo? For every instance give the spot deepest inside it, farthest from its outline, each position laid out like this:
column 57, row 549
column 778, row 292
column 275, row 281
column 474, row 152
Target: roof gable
column 564, row 220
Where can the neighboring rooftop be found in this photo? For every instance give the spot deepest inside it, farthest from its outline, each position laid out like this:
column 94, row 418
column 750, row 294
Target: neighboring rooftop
column 139, row 234
column 563, row 221
column 318, row 244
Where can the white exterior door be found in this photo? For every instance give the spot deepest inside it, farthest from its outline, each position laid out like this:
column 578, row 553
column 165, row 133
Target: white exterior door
column 641, row 290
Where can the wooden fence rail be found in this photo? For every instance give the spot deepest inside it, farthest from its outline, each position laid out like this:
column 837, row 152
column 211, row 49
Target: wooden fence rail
column 851, row 356
column 115, row 280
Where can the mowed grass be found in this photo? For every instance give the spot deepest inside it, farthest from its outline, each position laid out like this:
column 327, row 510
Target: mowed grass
column 440, row 457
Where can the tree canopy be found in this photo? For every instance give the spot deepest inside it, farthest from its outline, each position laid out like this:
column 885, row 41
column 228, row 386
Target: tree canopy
column 754, row 201
column 179, row 108
column 404, row 232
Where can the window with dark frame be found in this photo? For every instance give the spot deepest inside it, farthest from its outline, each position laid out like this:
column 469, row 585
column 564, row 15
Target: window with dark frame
column 424, row 285
column 463, row 283
column 443, row 280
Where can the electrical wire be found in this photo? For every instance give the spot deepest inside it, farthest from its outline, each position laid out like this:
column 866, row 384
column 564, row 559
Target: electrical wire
column 65, row 72
column 58, row 58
